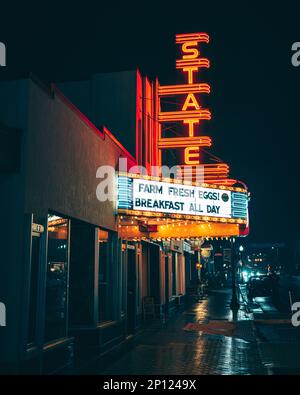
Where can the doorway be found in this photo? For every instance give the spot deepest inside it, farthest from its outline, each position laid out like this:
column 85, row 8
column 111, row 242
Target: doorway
column 166, row 284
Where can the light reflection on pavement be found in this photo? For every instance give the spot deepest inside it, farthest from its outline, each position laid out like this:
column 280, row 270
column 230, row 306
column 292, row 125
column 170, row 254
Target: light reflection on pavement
column 169, row 349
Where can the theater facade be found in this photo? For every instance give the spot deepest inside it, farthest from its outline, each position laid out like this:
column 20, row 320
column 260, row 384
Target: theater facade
column 180, row 194
column 81, row 275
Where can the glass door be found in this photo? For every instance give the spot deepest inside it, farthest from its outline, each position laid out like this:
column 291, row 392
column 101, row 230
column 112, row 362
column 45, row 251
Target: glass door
column 56, row 309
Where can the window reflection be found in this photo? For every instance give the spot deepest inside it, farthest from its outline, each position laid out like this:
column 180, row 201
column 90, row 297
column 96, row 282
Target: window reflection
column 174, row 263
column 57, row 278
column 34, row 272
column 105, row 299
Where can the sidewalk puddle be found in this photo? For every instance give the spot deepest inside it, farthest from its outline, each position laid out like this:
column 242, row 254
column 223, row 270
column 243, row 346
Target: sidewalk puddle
column 241, row 330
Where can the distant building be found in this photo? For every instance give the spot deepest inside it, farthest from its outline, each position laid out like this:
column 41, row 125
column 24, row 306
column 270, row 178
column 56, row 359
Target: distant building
column 264, row 255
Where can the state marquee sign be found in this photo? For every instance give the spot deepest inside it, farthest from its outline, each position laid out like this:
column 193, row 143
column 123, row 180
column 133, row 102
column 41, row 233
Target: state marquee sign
column 146, row 195
column 183, row 199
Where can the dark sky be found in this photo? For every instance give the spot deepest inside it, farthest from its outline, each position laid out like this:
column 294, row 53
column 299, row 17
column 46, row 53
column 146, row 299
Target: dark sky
column 255, row 98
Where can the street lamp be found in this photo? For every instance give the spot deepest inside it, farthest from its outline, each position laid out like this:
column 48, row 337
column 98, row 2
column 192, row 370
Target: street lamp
column 234, row 304
column 241, row 249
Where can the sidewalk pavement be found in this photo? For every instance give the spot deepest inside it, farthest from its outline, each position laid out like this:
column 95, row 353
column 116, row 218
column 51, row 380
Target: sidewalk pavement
column 278, row 340
column 204, row 339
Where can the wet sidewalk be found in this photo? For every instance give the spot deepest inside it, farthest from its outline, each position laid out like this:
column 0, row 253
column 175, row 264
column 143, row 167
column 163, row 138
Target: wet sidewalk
column 278, row 340
column 201, row 340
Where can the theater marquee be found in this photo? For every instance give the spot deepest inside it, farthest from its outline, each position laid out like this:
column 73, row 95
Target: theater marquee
column 148, row 195
column 208, row 204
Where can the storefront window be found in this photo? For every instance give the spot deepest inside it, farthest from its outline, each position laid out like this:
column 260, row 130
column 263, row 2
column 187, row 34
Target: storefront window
column 174, row 259
column 34, row 272
column 82, row 274
column 105, row 276
column 139, row 290
column 57, row 278
column 188, row 276
column 124, row 280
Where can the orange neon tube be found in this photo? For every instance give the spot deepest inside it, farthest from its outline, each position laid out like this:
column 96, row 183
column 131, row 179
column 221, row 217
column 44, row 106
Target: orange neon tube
column 213, row 170
column 182, row 142
column 202, row 114
column 168, row 90
column 200, row 62
column 226, row 181
column 199, row 37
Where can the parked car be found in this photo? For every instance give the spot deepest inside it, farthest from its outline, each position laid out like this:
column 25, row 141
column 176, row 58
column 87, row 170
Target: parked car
column 259, row 286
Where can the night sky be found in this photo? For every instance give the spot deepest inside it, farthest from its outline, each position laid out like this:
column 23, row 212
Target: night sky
column 255, row 99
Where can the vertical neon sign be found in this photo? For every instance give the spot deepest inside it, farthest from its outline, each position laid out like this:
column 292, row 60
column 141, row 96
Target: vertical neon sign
column 191, row 112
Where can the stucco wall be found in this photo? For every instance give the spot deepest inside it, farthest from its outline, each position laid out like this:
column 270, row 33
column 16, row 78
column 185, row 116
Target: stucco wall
column 13, row 112
column 62, row 159
column 60, row 154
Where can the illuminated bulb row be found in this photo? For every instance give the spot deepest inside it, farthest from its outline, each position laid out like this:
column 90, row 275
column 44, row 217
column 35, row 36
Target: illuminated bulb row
column 178, row 181
column 166, row 222
column 194, row 218
column 173, row 224
column 160, row 239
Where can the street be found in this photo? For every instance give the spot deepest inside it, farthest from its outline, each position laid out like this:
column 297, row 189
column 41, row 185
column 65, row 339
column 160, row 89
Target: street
column 145, row 193
column 199, row 341
column 170, row 349
column 288, row 284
